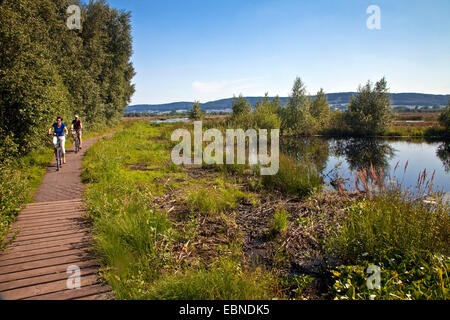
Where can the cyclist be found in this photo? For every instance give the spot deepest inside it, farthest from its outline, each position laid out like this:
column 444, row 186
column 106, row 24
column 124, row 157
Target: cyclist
column 77, row 126
column 61, row 131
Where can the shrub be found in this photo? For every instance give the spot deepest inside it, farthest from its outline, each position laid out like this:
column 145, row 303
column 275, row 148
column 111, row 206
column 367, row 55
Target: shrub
column 280, row 221
column 369, row 111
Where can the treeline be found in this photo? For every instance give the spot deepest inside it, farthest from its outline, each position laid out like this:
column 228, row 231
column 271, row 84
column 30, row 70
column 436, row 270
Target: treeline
column 369, row 113
column 48, row 70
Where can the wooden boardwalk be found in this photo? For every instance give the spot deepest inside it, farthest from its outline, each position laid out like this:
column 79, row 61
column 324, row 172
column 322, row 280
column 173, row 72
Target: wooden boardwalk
column 53, row 241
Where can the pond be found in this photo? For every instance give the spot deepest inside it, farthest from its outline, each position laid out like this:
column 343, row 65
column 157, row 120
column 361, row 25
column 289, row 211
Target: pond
column 342, row 157
column 172, row 120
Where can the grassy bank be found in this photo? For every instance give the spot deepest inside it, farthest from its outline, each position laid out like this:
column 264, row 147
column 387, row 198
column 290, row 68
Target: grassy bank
column 224, row 232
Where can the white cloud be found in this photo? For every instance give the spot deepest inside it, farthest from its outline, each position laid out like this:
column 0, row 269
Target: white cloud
column 209, row 87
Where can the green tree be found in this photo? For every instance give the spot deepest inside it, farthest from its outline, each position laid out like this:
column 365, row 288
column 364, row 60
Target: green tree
column 296, row 116
column 47, row 70
column 444, row 118
column 369, row 113
column 196, row 112
column 241, row 106
column 266, row 114
column 320, row 109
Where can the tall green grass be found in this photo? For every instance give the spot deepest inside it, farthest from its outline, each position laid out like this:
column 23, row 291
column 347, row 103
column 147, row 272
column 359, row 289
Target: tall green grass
column 406, row 237
column 214, row 200
column 280, row 221
column 294, row 178
column 226, row 279
column 392, row 226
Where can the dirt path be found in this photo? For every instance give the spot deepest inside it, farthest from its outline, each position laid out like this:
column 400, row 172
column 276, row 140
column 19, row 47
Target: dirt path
column 53, row 240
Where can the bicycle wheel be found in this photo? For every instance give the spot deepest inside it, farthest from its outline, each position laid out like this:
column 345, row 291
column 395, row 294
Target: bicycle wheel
column 57, row 159
column 77, row 144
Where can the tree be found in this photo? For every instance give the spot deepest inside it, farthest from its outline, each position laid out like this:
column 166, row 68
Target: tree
column 296, row 117
column 47, row 70
column 266, row 113
column 241, row 106
column 320, row 109
column 196, row 113
column 369, row 112
column 444, row 118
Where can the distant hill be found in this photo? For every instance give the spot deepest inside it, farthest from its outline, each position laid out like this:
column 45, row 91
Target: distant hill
column 337, row 100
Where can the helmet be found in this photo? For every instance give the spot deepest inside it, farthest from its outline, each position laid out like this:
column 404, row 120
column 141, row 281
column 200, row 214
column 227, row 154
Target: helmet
column 77, row 117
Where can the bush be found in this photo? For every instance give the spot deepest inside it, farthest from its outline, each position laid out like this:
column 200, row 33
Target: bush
column 369, row 112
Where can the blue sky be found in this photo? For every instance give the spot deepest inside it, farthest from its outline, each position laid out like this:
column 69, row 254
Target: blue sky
column 211, row 49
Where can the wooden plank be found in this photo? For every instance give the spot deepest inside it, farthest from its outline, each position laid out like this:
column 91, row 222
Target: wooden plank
column 48, row 225
column 63, row 227
column 62, row 217
column 50, row 239
column 54, row 222
column 43, row 256
column 101, row 296
column 74, row 239
column 33, row 204
column 43, row 271
column 45, row 213
column 73, row 294
column 43, row 279
column 48, row 288
column 36, row 252
column 21, row 238
column 80, row 256
column 53, row 204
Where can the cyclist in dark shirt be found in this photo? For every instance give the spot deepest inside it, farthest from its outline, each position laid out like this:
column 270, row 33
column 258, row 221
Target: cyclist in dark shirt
column 77, row 126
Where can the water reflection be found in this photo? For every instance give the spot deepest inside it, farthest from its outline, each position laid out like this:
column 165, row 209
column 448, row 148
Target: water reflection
column 443, row 153
column 312, row 150
column 339, row 158
column 362, row 153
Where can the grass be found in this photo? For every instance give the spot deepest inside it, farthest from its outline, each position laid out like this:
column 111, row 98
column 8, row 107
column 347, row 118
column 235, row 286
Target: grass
column 292, row 178
column 404, row 235
column 156, row 227
column 226, row 279
column 389, row 226
column 280, row 221
column 138, row 244
column 214, row 200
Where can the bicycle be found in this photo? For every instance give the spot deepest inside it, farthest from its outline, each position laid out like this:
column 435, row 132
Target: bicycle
column 77, row 141
column 58, row 153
